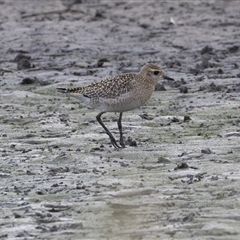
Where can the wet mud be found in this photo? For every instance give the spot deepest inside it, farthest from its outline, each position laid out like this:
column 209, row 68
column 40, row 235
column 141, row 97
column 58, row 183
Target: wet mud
column 178, row 177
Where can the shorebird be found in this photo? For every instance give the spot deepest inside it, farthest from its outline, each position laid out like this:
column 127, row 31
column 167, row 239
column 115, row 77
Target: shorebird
column 119, row 94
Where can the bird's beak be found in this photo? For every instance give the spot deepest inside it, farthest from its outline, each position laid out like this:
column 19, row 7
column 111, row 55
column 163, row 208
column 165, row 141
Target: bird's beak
column 167, row 77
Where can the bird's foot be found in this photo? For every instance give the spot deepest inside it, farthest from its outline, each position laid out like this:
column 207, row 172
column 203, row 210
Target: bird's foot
column 114, row 143
column 122, row 143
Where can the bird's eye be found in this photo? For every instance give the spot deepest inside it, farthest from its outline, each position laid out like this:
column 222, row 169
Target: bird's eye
column 156, row 72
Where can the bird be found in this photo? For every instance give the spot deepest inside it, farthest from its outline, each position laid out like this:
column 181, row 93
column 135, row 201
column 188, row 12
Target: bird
column 119, row 94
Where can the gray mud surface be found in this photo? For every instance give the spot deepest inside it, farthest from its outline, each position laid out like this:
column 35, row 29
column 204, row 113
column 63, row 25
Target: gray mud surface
column 60, row 177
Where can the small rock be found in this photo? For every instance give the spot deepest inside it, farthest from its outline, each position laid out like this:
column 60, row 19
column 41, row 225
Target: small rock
column 186, row 118
column 181, row 166
column 146, row 116
column 28, row 81
column 207, row 49
column 159, row 87
column 24, row 64
column 174, row 119
column 131, row 142
column 20, row 57
column 183, row 89
column 206, row 151
column 163, row 160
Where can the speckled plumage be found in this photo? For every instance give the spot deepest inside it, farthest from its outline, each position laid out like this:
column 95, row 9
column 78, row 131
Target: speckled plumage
column 119, row 93
column 111, row 87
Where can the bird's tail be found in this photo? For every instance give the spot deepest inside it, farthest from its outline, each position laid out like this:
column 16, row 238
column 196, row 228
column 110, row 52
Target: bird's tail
column 62, row 90
column 70, row 90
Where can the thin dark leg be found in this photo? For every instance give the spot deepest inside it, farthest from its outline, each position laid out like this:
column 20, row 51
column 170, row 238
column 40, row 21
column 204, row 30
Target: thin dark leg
column 112, row 139
column 120, row 129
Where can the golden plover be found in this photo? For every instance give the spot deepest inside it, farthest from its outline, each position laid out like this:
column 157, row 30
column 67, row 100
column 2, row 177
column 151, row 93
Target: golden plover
column 119, row 94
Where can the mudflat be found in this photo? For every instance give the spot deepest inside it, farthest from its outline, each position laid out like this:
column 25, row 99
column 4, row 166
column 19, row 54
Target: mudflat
column 60, row 176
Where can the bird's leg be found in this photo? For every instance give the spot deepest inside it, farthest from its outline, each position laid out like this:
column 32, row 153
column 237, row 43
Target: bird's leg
column 112, row 139
column 120, row 129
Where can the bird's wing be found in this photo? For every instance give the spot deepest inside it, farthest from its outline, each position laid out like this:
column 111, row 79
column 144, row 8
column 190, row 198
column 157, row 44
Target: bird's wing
column 111, row 87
